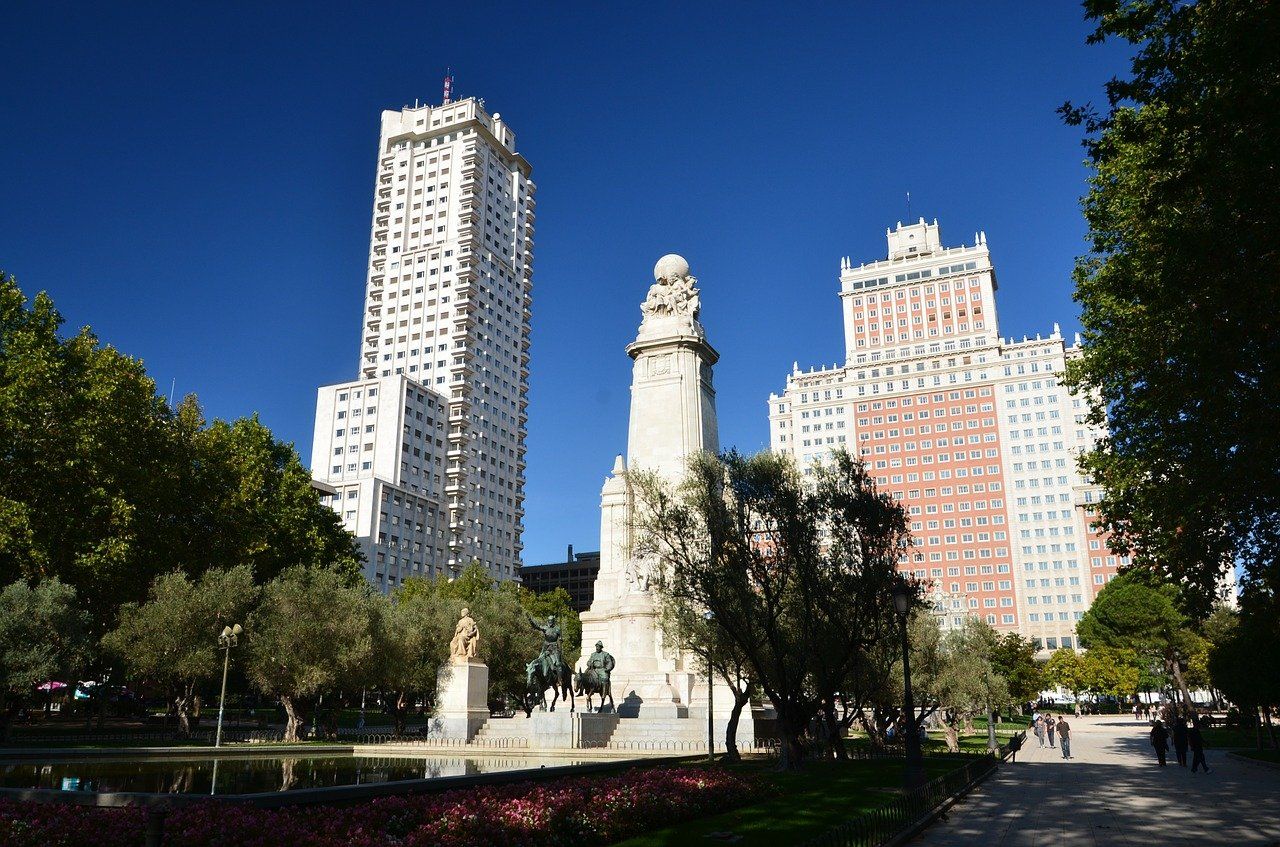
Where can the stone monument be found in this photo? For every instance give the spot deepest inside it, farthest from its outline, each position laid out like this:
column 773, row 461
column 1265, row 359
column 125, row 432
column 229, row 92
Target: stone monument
column 673, row 416
column 462, row 685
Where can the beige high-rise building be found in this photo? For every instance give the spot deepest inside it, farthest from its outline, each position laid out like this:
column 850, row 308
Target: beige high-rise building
column 426, row 449
column 973, row 433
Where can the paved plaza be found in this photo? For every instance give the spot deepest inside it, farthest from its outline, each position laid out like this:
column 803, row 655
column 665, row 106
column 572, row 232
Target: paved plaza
column 1113, row 793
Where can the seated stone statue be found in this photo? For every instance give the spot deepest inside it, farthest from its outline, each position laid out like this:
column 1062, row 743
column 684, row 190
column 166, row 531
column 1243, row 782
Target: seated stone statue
column 466, row 638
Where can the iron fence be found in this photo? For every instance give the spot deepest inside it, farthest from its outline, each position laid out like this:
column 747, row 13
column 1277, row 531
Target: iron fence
column 881, row 825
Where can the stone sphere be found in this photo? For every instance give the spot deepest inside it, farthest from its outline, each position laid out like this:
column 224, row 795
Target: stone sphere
column 671, row 265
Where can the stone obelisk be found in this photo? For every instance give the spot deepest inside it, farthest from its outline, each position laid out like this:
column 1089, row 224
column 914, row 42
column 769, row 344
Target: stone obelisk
column 673, row 415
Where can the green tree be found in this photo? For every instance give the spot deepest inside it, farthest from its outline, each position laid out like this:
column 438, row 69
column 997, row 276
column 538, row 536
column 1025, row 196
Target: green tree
column 1241, row 665
column 1014, row 659
column 798, row 575
column 687, row 629
column 410, row 632
column 1110, row 672
column 85, row 462
column 105, row 487
column 1179, row 292
column 966, row 682
column 311, row 634
column 42, row 637
column 256, row 505
column 1134, row 612
column 1069, row 671
column 172, row 639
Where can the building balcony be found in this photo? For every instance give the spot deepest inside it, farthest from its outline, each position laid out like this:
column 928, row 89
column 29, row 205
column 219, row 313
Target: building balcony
column 455, row 454
column 454, row 488
column 374, row 324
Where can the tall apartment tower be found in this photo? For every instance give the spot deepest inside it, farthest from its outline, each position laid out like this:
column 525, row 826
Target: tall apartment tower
column 973, row 433
column 426, row 449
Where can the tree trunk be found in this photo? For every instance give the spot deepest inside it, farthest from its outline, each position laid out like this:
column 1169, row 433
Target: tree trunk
column 740, row 699
column 834, row 741
column 872, row 731
column 1176, row 666
column 953, row 737
column 791, row 755
column 294, row 718
column 1271, row 728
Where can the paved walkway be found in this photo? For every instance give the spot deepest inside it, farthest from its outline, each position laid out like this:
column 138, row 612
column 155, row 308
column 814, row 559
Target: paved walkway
column 1113, row 793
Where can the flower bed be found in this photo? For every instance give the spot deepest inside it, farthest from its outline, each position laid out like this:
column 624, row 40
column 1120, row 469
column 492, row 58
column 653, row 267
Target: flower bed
column 570, row 811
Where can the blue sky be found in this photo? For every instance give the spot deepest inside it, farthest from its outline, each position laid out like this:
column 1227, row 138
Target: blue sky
column 195, row 181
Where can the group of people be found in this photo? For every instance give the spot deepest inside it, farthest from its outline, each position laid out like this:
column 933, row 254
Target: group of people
column 1184, row 735
column 1142, row 711
column 1045, row 726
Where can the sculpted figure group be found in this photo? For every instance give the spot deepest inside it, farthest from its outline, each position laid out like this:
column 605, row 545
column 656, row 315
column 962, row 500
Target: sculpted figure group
column 673, row 294
column 548, row 669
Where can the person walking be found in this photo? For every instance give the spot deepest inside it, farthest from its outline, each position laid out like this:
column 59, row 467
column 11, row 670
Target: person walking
column 1137, row 711
column 1049, row 727
column 1037, row 724
column 1160, row 740
column 1196, row 740
column 1180, row 740
column 1064, row 736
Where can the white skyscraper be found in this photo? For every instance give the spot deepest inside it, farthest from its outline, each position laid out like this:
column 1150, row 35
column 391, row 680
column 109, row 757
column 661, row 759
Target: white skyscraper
column 426, row 449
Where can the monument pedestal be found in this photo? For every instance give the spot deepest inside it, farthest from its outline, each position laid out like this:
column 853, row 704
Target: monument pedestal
column 462, row 698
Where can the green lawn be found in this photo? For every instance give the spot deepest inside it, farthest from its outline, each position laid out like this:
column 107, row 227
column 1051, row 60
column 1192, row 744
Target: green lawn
column 802, row 805
column 1221, row 736
column 1261, row 755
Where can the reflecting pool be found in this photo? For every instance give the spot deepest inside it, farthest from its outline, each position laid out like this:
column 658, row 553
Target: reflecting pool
column 249, row 774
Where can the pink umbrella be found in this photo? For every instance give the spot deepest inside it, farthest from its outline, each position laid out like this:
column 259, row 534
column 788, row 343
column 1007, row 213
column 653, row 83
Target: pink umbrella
column 51, row 686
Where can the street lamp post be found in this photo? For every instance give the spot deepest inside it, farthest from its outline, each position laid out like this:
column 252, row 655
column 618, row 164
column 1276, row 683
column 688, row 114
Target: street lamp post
column 709, row 616
column 227, row 639
column 913, row 774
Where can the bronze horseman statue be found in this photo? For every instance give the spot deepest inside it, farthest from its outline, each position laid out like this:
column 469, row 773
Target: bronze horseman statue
column 594, row 680
column 548, row 670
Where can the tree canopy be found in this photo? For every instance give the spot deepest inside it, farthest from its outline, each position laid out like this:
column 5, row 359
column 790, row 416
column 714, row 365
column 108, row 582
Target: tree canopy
column 172, row 639
column 106, row 487
column 43, row 638
column 1136, row 612
column 798, row 572
column 1180, row 292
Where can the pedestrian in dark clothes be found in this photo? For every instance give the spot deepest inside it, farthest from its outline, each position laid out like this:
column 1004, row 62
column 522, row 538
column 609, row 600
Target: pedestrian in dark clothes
column 1160, row 740
column 1050, row 728
column 1015, row 744
column 1180, row 740
column 1196, row 741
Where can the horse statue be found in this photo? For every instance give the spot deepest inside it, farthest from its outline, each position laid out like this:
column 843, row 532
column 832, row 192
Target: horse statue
column 537, row 682
column 589, row 684
column 594, row 678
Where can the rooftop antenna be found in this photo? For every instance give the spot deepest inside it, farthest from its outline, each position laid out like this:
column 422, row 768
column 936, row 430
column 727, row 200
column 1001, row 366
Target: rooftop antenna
column 448, row 86
column 908, row 205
